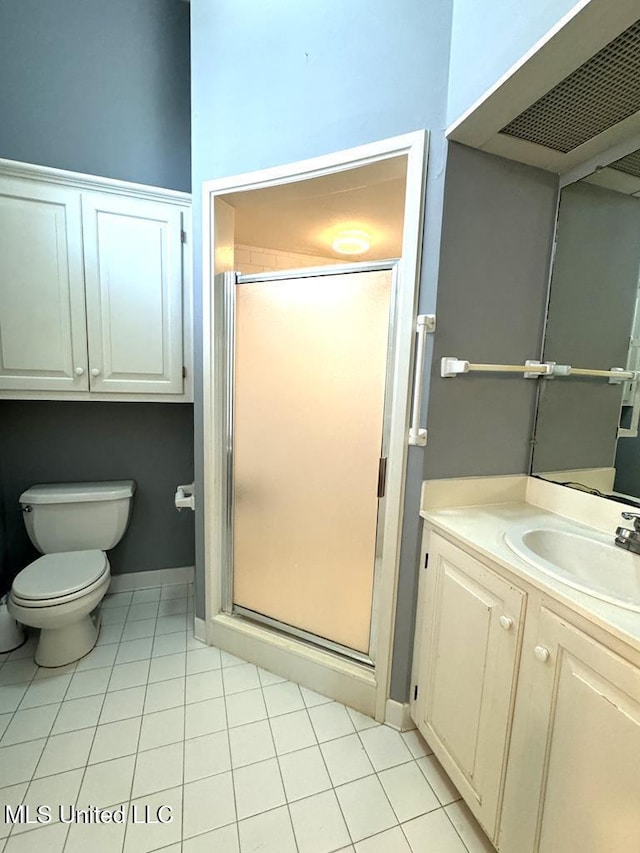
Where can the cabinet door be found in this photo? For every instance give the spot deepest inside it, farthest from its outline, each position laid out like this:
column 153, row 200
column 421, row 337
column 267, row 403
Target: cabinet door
column 133, row 270
column 468, row 658
column 573, row 783
column 43, row 344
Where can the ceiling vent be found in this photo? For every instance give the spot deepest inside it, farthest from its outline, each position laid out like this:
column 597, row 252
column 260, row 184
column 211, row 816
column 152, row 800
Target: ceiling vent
column 629, row 164
column 596, row 96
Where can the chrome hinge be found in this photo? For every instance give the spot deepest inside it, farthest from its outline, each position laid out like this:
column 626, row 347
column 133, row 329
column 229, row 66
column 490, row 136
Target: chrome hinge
column 426, row 561
column 183, row 236
column 382, row 476
column 184, row 372
column 415, row 693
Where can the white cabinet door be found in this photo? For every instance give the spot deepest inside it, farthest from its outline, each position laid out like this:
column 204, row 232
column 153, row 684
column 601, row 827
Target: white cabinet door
column 574, row 780
column 468, row 656
column 43, row 344
column 133, row 269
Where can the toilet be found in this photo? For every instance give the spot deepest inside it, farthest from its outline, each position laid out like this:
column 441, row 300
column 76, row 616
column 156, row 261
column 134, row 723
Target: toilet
column 72, row 525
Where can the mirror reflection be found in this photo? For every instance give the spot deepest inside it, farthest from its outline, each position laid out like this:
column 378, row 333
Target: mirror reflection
column 587, row 427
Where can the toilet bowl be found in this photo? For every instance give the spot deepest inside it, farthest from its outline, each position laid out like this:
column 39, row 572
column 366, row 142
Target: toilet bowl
column 72, row 524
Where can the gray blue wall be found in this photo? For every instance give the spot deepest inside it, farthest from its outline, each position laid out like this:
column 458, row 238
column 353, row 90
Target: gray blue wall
column 52, row 442
column 489, row 37
column 102, row 88
column 97, row 87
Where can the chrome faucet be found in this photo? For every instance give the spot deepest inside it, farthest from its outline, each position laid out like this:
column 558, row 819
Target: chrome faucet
column 626, row 538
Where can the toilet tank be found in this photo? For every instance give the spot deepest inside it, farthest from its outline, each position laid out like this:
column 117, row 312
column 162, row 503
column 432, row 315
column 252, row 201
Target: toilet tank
column 77, row 516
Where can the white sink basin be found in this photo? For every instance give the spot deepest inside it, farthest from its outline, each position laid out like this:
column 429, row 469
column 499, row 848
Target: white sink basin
column 590, row 563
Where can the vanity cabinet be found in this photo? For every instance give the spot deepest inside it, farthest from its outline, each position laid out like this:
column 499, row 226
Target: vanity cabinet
column 533, row 711
column 94, row 290
column 466, row 672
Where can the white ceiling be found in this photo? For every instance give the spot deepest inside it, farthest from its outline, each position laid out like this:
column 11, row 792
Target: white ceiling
column 306, row 216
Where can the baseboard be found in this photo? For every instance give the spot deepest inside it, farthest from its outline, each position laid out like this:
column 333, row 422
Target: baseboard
column 155, row 577
column 397, row 715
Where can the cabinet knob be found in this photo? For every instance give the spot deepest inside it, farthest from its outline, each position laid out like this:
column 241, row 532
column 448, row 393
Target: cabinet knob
column 506, row 622
column 542, row 654
column 95, row 371
column 79, row 371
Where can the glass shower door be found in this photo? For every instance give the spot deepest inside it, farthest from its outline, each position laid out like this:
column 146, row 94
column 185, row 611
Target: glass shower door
column 308, row 398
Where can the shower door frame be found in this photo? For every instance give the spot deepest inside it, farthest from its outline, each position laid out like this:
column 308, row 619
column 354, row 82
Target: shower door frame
column 359, row 685
column 230, row 280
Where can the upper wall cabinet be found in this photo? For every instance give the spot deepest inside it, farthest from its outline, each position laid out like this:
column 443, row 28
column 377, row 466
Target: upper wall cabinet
column 95, row 298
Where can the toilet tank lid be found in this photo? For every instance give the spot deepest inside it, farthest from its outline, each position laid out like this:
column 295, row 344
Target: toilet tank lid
column 61, row 493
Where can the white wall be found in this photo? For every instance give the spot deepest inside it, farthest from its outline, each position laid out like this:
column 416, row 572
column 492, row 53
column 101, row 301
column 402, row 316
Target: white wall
column 488, row 37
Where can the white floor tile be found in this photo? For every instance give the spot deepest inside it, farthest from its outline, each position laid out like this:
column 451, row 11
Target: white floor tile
column 416, row 744
column 110, row 634
column 304, row 773
column 45, row 691
column 17, row 672
column 61, row 789
column 361, row 721
column 5, row 719
column 17, row 763
column 117, row 599
column 468, row 828
column 162, row 728
column 292, row 732
column 245, row 707
column 50, row 838
column 148, row 610
column 365, row 807
column 100, row 656
column 169, row 644
column 167, row 667
column 164, row 694
column 172, row 607
column 208, row 804
column 203, row 685
column 144, row 837
column 251, row 743
column 206, row 756
column 230, row 660
column 174, row 590
column 389, row 841
column 89, row 682
column 330, row 721
column 142, row 596
column 158, row 769
column 107, row 783
column 203, row 659
column 443, row 787
column 171, row 624
column 131, row 650
column 224, row 840
column 385, row 747
column 258, row 788
column 78, row 714
column 408, row 791
column 114, row 615
column 30, row 724
column 283, row 698
column 11, row 696
column 129, row 675
column 122, row 704
column 98, row 838
column 65, row 752
column 318, row 824
column 113, row 740
column 346, row 759
column 11, row 796
column 139, row 629
column 311, row 698
column 241, row 677
column 433, row 831
column 203, row 718
column 270, row 832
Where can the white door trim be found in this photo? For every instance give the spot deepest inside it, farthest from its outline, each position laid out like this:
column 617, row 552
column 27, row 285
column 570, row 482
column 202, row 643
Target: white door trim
column 414, row 146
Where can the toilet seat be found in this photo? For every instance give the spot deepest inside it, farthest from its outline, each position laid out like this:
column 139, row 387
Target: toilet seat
column 57, row 578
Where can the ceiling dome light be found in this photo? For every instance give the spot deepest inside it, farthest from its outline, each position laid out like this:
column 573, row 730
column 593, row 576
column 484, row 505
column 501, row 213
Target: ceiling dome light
column 351, row 243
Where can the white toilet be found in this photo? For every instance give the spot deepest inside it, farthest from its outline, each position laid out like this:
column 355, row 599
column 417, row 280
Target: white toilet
column 72, row 524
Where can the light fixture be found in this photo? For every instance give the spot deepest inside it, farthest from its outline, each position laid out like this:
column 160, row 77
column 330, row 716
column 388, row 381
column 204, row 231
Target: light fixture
column 351, row 243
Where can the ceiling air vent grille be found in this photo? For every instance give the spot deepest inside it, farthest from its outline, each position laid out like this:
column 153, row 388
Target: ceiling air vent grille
column 596, row 96
column 629, row 164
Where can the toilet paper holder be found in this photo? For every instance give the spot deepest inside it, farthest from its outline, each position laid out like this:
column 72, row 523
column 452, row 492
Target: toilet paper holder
column 185, row 497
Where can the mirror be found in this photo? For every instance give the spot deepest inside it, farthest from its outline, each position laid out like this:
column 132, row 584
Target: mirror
column 586, row 431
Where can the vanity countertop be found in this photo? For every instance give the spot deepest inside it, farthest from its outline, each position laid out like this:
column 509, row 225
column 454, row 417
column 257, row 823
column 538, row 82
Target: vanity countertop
column 482, row 529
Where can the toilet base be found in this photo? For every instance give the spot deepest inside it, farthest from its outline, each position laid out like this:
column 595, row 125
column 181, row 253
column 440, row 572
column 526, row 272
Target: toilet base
column 60, row 646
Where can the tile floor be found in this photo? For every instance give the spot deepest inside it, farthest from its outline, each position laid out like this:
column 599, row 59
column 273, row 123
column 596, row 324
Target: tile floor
column 246, row 761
